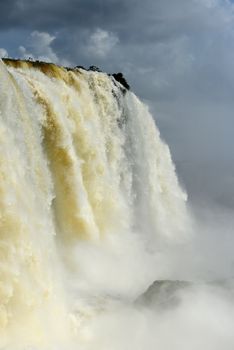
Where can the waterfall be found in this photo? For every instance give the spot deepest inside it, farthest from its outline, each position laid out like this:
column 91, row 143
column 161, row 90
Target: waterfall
column 89, row 197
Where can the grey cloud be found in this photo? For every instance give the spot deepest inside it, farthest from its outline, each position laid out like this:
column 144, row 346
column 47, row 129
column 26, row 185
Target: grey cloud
column 60, row 13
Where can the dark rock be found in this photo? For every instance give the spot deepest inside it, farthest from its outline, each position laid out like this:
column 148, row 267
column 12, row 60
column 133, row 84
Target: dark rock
column 120, row 78
column 163, row 294
column 94, row 69
column 80, row 67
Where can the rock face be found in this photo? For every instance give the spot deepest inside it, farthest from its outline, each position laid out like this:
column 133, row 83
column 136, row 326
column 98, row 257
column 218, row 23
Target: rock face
column 120, row 78
column 163, row 294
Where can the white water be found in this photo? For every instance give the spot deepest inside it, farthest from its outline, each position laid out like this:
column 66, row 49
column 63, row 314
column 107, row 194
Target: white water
column 89, row 204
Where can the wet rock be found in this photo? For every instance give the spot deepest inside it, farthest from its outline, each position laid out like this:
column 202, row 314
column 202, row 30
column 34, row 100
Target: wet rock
column 94, row 69
column 120, row 78
column 80, row 67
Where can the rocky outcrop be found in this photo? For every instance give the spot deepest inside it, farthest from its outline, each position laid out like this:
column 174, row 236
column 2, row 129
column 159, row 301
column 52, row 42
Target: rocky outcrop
column 120, row 78
column 94, row 69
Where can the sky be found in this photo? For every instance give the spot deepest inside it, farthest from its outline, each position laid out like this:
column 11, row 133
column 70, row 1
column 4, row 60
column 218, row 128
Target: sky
column 177, row 55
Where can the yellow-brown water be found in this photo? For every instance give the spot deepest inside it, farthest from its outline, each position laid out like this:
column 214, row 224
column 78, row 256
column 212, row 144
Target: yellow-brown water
column 88, row 193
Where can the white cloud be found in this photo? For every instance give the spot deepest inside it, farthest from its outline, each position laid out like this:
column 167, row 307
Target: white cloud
column 101, row 42
column 39, row 47
column 3, row 52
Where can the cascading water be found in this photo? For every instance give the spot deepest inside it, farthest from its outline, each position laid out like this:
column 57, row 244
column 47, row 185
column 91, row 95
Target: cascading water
column 89, row 197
